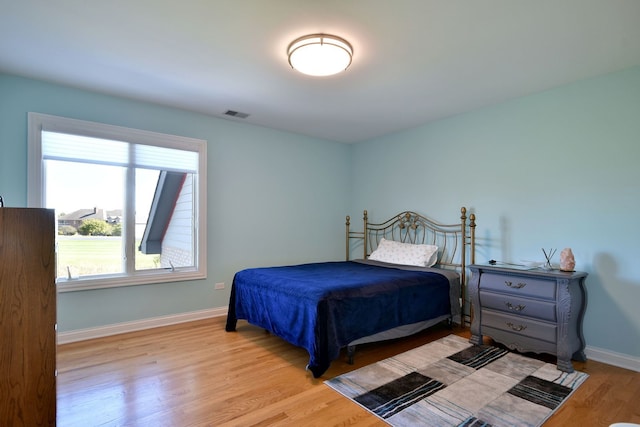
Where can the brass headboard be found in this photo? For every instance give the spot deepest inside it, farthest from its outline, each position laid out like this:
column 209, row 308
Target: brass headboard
column 453, row 240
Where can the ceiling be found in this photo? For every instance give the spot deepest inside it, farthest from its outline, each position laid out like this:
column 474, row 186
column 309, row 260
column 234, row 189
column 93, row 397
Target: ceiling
column 414, row 61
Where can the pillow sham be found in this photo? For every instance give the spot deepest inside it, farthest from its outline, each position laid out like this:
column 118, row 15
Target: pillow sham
column 405, row 253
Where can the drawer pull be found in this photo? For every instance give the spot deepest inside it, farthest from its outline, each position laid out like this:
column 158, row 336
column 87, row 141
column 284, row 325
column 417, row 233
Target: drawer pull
column 517, row 286
column 512, row 307
column 516, row 328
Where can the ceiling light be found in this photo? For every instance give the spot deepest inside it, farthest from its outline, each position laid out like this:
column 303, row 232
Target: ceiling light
column 320, row 54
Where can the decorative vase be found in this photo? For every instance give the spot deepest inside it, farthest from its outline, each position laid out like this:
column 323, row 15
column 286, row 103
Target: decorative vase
column 567, row 261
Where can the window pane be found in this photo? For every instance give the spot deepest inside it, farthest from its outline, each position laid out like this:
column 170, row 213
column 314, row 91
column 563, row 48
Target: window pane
column 146, row 182
column 178, row 243
column 169, row 231
column 89, row 201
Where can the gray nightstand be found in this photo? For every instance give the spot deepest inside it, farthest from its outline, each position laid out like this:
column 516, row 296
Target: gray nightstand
column 530, row 310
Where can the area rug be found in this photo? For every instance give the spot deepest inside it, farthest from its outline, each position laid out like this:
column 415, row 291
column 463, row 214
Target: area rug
column 450, row 382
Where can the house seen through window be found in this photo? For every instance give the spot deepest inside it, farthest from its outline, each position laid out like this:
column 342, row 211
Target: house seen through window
column 128, row 203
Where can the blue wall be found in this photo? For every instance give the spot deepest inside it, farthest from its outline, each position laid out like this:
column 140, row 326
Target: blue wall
column 270, row 193
column 555, row 169
column 552, row 170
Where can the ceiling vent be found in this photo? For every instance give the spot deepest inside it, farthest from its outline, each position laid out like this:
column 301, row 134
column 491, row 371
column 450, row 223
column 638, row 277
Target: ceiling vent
column 236, row 114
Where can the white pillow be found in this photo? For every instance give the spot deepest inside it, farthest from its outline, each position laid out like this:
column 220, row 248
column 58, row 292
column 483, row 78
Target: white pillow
column 405, row 253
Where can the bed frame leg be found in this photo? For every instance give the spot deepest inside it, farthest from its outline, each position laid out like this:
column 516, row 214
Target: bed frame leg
column 351, row 351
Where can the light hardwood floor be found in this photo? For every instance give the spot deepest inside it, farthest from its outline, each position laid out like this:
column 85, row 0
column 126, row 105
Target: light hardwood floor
column 196, row 374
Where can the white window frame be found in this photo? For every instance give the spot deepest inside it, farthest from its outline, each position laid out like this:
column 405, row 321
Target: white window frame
column 36, row 185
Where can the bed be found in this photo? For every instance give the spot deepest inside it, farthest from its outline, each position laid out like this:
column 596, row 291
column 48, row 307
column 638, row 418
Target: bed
column 410, row 277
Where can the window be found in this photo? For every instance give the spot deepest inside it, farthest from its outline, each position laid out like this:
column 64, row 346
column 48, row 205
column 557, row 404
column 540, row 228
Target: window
column 130, row 204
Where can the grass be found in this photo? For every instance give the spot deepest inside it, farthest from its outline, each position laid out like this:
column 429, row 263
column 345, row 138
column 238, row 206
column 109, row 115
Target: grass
column 96, row 255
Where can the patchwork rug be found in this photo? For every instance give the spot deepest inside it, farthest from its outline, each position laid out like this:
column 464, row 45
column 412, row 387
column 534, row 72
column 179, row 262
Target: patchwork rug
column 450, row 382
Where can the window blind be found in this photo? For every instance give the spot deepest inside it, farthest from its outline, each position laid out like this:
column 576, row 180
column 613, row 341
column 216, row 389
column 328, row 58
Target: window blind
column 62, row 146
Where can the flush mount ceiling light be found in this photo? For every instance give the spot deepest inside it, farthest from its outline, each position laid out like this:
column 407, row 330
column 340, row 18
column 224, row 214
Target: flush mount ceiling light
column 320, row 54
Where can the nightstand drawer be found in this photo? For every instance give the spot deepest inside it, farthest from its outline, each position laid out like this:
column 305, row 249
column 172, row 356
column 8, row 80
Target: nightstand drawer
column 519, row 285
column 510, row 303
column 520, row 325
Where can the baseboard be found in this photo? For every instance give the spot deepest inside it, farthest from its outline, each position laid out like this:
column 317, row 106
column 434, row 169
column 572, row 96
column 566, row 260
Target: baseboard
column 612, row 358
column 137, row 325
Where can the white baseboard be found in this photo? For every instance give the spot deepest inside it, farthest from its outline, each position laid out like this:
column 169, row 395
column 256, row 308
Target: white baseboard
column 137, row 325
column 612, row 358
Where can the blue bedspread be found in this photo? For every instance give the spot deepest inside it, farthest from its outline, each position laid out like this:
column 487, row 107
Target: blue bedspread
column 322, row 307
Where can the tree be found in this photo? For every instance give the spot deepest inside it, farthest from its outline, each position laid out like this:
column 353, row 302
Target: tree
column 116, row 229
column 67, row 230
column 94, row 227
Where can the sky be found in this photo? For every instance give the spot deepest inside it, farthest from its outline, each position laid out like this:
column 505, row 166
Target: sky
column 71, row 186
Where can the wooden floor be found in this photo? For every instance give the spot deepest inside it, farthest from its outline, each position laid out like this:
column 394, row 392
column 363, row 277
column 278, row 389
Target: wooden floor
column 196, row 374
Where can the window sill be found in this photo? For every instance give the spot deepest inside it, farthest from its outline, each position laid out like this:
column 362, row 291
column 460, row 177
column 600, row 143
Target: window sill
column 114, row 281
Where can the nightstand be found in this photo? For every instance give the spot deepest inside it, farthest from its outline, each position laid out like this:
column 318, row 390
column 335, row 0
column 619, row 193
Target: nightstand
column 530, row 310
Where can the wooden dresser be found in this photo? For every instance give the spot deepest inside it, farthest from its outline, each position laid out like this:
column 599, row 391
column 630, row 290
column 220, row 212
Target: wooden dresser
column 530, row 310
column 27, row 317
